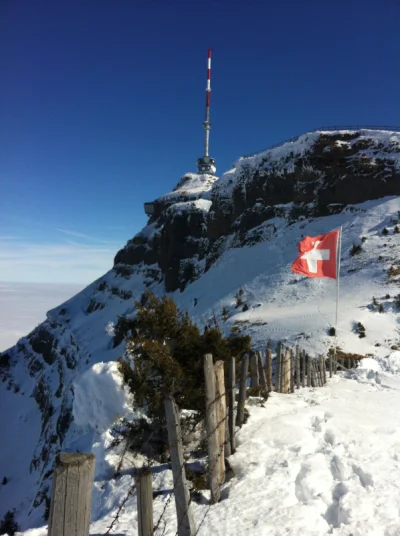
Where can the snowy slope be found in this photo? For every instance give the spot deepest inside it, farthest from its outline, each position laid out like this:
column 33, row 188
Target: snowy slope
column 321, row 461
column 43, row 374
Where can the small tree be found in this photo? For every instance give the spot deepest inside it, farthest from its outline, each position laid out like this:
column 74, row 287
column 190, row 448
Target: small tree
column 164, row 356
column 396, row 230
column 381, row 309
column 225, row 314
column 375, row 302
column 385, row 231
column 397, row 301
column 8, row 524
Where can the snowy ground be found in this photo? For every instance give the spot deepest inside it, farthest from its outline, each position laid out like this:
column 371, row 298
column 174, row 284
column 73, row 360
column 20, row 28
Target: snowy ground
column 24, row 305
column 321, row 461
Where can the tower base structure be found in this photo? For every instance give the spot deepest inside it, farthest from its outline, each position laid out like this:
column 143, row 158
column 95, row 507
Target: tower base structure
column 206, row 165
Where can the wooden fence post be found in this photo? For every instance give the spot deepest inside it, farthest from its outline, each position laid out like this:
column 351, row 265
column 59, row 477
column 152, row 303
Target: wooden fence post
column 231, row 401
column 286, row 374
column 261, row 371
column 185, row 519
column 268, row 364
column 278, row 368
column 292, row 371
column 330, row 364
column 255, row 382
column 212, row 429
column 242, row 389
column 297, row 366
column 303, row 366
column 221, row 415
column 71, row 498
column 144, row 489
column 308, row 371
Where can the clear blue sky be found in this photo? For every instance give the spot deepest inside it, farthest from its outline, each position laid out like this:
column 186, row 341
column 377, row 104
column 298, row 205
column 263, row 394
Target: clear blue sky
column 101, row 105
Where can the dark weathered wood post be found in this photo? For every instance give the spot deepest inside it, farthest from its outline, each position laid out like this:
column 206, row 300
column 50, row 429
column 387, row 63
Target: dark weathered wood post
column 292, row 371
column 303, row 367
column 212, row 429
column 221, row 415
column 255, row 382
column 308, row 371
column 242, row 389
column 348, row 363
column 231, row 402
column 261, row 371
column 144, row 489
column 71, row 498
column 297, row 366
column 186, row 524
column 278, row 368
column 330, row 364
column 268, row 364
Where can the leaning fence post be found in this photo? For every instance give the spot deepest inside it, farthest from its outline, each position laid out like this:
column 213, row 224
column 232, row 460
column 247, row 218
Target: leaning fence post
column 268, row 365
column 186, row 524
column 212, row 430
column 242, row 389
column 144, row 489
column 221, row 415
column 255, row 382
column 261, row 371
column 71, row 497
column 231, row 402
column 308, row 371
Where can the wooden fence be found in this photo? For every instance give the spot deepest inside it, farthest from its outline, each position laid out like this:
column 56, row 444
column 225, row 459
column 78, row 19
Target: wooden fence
column 289, row 370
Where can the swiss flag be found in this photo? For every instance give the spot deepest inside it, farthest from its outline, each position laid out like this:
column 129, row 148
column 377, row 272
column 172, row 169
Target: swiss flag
column 317, row 256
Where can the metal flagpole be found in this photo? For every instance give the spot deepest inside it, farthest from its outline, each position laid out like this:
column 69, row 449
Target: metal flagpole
column 339, row 252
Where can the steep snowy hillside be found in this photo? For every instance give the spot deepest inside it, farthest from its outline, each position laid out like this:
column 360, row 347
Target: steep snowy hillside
column 204, row 242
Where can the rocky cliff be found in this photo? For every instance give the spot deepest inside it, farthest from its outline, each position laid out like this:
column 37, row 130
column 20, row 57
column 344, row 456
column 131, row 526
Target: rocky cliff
column 318, row 174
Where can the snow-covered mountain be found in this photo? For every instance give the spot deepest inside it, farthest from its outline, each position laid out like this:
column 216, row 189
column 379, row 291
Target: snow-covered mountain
column 204, row 241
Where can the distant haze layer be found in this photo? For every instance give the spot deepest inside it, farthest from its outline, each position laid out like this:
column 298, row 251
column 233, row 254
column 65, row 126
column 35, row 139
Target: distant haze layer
column 24, row 305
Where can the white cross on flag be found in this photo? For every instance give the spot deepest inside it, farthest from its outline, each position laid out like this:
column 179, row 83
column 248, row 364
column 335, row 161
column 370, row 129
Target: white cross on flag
column 317, row 256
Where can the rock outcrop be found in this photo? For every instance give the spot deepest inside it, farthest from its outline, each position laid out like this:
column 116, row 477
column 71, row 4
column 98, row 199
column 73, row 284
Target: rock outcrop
column 318, row 174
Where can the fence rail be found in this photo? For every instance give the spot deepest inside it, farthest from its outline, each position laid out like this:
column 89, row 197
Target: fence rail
column 324, row 129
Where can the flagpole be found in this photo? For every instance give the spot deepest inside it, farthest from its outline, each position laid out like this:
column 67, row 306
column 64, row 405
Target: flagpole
column 339, row 253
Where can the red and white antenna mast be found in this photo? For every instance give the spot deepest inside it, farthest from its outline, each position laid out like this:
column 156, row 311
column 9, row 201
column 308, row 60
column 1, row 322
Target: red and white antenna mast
column 206, row 164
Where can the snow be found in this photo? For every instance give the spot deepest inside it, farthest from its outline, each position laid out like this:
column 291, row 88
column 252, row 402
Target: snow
column 193, row 186
column 320, row 461
column 89, row 409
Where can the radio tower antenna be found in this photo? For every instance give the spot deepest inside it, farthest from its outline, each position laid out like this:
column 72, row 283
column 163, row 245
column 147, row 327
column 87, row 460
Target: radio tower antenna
column 206, row 164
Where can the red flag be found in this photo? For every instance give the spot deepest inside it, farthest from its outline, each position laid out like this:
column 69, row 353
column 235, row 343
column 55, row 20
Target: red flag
column 317, row 256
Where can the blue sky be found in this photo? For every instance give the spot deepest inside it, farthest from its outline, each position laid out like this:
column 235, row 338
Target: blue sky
column 101, row 105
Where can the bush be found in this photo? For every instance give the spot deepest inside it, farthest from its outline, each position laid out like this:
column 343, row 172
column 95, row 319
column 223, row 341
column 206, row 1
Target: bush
column 355, row 250
column 8, row 524
column 387, row 297
column 380, row 308
column 225, row 314
column 166, row 351
column 239, row 297
column 396, row 230
column 375, row 302
column 363, row 239
column 360, row 329
column 245, row 308
column 397, row 301
column 385, row 231
column 332, row 332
